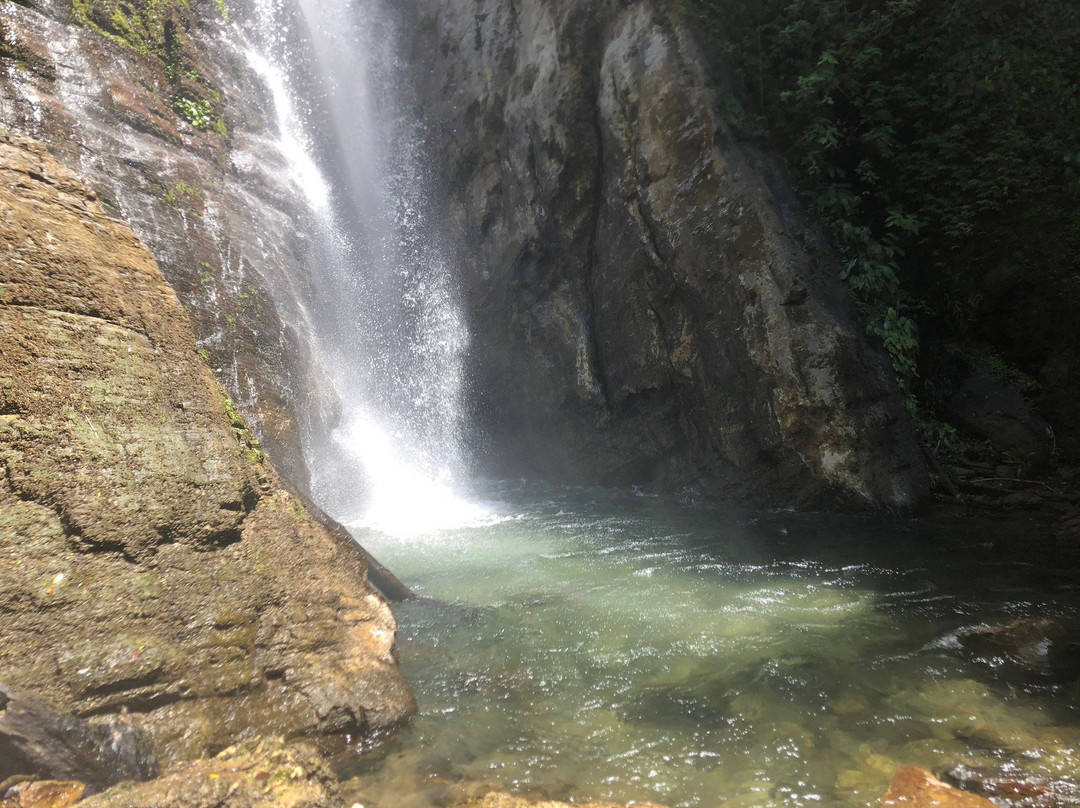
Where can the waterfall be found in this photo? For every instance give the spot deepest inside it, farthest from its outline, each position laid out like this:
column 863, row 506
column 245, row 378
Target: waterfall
column 386, row 449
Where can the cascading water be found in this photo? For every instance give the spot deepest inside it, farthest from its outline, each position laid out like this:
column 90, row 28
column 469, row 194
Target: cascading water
column 386, row 451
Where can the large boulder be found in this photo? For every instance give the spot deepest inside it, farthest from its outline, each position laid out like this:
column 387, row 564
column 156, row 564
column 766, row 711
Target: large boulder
column 151, row 560
column 648, row 302
column 1035, row 644
column 996, row 411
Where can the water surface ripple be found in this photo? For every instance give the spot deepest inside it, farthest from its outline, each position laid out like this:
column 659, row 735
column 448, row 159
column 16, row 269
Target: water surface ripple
column 586, row 643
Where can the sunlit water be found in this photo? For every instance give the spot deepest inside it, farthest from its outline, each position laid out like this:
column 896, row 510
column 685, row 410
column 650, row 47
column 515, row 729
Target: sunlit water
column 594, row 644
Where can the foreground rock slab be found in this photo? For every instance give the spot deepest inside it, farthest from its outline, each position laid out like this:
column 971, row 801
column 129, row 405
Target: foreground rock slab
column 914, row 788
column 267, row 775
column 152, row 561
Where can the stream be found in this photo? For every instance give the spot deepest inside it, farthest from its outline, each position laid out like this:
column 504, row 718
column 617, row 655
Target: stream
column 588, row 643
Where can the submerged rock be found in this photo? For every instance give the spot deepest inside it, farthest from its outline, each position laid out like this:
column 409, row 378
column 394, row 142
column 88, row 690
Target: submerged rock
column 152, row 560
column 1012, row 787
column 649, row 303
column 1034, row 644
column 915, row 788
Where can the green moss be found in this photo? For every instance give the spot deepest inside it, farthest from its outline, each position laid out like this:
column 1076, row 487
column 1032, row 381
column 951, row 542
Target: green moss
column 992, row 363
column 183, row 196
column 297, row 509
column 253, row 451
column 234, row 414
column 159, row 30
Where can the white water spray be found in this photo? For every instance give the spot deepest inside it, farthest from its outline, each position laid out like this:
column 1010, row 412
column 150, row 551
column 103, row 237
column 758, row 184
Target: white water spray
column 388, row 332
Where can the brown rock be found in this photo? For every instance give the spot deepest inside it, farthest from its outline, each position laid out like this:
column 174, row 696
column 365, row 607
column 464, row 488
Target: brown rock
column 152, row 561
column 264, row 775
column 914, row 788
column 43, row 794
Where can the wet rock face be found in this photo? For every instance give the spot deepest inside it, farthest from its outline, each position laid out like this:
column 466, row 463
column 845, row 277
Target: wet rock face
column 151, row 560
column 639, row 285
column 160, row 113
column 35, row 740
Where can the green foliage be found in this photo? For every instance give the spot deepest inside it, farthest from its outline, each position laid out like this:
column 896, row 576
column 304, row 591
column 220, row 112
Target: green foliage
column 159, row 30
column 195, row 112
column 900, row 337
column 152, row 27
column 989, row 361
column 183, row 196
column 933, row 138
column 222, row 8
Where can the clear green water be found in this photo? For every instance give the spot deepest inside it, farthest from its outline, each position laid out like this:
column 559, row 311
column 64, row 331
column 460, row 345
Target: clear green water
column 602, row 645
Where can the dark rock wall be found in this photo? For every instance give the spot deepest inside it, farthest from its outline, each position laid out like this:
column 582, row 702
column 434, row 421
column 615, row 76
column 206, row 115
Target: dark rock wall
column 647, row 301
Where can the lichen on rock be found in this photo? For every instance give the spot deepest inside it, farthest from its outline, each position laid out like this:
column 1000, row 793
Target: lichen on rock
column 152, row 562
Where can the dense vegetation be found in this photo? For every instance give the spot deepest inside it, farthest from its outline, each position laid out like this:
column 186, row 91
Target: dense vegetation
column 939, row 142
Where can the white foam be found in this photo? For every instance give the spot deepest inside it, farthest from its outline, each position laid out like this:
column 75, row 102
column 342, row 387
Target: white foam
column 403, row 499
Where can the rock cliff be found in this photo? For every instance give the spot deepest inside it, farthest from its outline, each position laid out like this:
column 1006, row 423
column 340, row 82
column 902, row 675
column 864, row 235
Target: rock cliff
column 648, row 302
column 158, row 108
column 151, row 560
